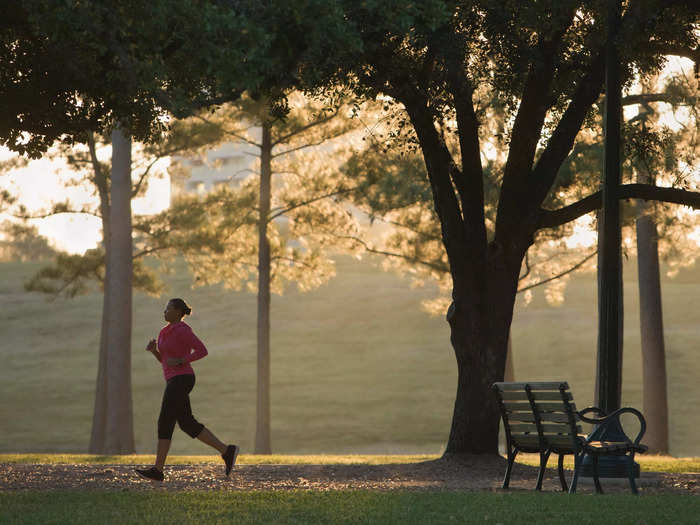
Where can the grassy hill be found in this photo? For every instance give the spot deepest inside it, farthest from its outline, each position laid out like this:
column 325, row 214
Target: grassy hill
column 357, row 367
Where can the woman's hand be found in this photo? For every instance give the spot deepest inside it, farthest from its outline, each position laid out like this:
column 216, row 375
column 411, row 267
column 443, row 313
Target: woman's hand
column 151, row 346
column 175, row 361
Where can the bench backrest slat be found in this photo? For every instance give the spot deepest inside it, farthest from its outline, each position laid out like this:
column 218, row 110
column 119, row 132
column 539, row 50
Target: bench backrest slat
column 521, row 406
column 543, row 396
column 538, row 415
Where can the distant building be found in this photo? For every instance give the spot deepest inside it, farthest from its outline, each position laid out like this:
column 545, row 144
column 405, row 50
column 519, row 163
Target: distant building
column 229, row 165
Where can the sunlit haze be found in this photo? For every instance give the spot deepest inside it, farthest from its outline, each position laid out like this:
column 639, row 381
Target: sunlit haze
column 43, row 182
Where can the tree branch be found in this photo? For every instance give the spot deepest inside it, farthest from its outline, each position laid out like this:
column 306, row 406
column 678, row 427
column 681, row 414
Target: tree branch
column 298, row 148
column 323, row 120
column 564, row 134
column 55, row 212
column 432, row 265
column 554, row 218
column 233, row 133
column 281, row 211
column 290, row 259
column 645, row 98
column 659, row 48
column 562, row 274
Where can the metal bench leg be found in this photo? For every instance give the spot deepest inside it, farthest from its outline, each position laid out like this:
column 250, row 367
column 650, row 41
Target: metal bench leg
column 509, row 468
column 596, row 480
column 630, row 473
column 544, row 457
column 577, row 468
column 560, row 467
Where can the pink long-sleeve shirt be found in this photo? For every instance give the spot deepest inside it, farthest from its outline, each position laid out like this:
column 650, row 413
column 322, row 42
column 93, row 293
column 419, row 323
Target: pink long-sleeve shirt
column 178, row 340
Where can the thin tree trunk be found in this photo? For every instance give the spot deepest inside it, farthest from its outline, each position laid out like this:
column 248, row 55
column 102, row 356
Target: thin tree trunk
column 654, row 394
column 652, row 331
column 654, row 390
column 262, row 430
column 99, row 418
column 119, row 437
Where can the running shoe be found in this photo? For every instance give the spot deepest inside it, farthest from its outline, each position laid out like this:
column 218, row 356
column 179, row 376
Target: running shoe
column 230, row 457
column 152, row 473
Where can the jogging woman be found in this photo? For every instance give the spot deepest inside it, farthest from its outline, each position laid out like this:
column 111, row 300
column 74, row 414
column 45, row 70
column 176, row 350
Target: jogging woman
column 176, row 348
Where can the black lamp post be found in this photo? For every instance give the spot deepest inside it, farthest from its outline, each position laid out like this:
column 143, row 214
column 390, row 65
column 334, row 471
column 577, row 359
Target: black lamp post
column 610, row 270
column 609, row 370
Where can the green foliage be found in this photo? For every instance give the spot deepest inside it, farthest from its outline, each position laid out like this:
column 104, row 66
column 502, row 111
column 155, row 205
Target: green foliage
column 70, row 275
column 393, row 186
column 22, row 242
column 71, row 67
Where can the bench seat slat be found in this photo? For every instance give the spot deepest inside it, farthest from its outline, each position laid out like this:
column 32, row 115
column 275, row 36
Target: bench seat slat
column 537, row 385
column 554, row 417
column 526, row 442
column 522, row 416
column 551, row 428
column 555, row 407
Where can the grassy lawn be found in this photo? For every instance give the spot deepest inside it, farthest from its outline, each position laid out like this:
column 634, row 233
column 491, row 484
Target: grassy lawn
column 310, row 507
column 341, row 507
column 357, row 367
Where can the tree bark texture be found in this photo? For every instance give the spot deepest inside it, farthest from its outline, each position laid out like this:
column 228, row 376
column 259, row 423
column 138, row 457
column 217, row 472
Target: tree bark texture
column 654, row 389
column 99, row 417
column 509, row 374
column 118, row 432
column 262, row 428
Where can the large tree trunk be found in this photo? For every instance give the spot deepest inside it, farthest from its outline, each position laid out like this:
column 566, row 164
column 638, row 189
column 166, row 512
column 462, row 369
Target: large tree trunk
column 480, row 333
column 262, row 428
column 118, row 429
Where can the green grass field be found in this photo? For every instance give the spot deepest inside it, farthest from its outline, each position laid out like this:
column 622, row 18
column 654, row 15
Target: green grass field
column 341, row 507
column 357, row 367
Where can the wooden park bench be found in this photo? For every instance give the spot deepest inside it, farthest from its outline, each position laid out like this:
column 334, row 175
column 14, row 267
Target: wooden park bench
column 542, row 418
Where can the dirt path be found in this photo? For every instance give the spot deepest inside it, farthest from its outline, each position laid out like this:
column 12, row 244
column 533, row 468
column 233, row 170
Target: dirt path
column 469, row 474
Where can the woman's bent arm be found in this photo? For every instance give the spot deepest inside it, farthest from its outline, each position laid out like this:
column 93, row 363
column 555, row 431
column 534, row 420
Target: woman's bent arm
column 200, row 350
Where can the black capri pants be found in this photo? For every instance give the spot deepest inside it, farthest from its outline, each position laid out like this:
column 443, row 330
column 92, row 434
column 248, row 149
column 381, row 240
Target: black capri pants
column 176, row 408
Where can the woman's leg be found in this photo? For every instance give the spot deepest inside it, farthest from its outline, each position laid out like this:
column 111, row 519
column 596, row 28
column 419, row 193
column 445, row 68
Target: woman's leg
column 208, row 437
column 163, row 447
column 173, row 400
column 195, row 429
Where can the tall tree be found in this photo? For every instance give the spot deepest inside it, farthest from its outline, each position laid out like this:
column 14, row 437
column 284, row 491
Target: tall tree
column 77, row 67
column 271, row 228
column 659, row 153
column 545, row 60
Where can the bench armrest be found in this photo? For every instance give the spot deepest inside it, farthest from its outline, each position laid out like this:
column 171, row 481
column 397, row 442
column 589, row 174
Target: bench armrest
column 615, row 416
column 582, row 417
